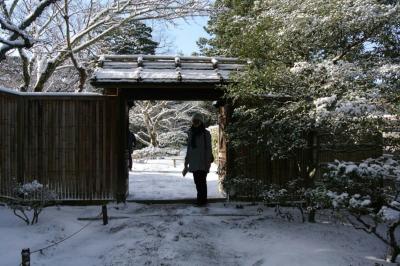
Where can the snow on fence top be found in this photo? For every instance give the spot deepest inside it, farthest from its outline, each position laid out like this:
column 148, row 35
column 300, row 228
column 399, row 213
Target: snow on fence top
column 164, row 69
column 47, row 94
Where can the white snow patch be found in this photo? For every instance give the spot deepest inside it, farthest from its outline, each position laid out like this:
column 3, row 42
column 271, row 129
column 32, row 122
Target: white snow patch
column 158, row 179
column 389, row 214
column 183, row 235
column 31, row 187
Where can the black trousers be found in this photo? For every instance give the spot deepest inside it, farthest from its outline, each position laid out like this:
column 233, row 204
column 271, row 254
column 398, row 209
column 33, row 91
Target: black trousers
column 130, row 159
column 130, row 162
column 200, row 179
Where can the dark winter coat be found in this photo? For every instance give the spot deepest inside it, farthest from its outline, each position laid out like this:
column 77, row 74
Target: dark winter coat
column 131, row 141
column 199, row 156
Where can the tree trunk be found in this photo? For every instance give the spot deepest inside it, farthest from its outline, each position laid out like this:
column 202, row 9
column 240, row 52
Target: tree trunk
column 303, row 219
column 392, row 254
column 311, row 216
column 45, row 75
column 150, row 129
column 153, row 138
column 393, row 250
column 25, row 71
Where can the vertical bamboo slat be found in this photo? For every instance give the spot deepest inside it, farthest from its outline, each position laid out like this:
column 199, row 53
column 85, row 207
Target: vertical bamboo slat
column 67, row 143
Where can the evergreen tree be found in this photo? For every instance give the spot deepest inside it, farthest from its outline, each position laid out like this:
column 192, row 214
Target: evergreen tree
column 336, row 60
column 133, row 38
column 337, row 65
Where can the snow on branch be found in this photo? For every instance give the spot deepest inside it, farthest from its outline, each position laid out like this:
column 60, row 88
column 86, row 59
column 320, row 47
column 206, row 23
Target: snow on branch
column 164, row 123
column 55, row 37
column 14, row 44
column 18, row 31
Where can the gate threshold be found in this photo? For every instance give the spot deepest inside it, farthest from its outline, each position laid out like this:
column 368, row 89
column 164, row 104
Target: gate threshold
column 174, row 201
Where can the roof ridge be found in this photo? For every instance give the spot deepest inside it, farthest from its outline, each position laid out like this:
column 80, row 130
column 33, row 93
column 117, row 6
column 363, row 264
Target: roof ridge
column 219, row 59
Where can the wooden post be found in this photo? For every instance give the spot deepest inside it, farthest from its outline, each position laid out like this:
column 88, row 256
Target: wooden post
column 26, row 257
column 105, row 216
column 122, row 182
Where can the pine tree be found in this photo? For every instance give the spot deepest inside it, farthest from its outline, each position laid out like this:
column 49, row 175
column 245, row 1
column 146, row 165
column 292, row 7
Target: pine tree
column 133, row 38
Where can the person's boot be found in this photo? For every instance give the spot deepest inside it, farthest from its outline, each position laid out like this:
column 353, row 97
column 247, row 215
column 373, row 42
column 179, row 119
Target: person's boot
column 201, row 203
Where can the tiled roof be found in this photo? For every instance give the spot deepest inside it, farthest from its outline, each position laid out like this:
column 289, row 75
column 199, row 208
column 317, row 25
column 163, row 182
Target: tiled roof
column 114, row 69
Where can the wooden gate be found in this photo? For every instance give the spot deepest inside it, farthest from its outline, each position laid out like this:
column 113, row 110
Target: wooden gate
column 68, row 142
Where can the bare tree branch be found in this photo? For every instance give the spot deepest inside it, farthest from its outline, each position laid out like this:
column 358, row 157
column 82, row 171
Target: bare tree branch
column 19, row 31
column 25, row 70
column 81, row 70
column 58, row 39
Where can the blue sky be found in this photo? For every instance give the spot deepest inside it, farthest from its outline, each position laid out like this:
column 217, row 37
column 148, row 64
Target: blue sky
column 184, row 35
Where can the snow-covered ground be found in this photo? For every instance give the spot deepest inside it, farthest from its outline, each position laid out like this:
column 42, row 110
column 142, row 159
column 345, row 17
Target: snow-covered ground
column 179, row 234
column 183, row 235
column 159, row 179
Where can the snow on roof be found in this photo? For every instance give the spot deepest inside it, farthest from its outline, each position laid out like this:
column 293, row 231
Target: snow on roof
column 67, row 94
column 164, row 69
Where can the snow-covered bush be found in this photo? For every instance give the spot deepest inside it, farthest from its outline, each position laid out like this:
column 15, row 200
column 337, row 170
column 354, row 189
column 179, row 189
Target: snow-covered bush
column 30, row 197
column 367, row 194
column 386, row 166
column 154, row 153
column 248, row 187
column 369, row 181
column 296, row 194
column 172, row 139
column 337, row 200
column 278, row 196
column 275, row 194
column 214, row 130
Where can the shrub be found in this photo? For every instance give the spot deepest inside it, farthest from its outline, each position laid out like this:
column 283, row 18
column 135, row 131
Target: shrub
column 214, row 130
column 30, row 197
column 295, row 194
column 174, row 139
column 368, row 194
column 242, row 186
column 154, row 153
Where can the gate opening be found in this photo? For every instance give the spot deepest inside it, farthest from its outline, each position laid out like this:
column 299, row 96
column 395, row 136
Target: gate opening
column 161, row 130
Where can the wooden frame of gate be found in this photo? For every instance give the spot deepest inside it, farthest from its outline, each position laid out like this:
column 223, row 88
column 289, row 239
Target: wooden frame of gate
column 76, row 143
column 203, row 92
column 138, row 77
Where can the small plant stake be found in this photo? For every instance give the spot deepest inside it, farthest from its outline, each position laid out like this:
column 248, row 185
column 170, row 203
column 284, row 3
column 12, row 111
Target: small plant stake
column 105, row 216
column 26, row 257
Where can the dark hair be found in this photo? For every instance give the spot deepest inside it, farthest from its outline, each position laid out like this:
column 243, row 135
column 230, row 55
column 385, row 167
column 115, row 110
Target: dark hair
column 195, row 132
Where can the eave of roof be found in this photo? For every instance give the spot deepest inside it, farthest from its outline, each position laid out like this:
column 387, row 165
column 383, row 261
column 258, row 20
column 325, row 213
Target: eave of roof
column 162, row 70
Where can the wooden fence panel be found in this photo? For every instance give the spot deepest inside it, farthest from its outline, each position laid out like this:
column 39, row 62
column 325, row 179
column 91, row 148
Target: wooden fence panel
column 251, row 163
column 65, row 142
column 8, row 142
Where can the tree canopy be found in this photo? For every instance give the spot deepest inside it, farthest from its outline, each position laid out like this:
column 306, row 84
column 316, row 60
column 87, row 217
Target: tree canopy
column 336, row 61
column 134, row 38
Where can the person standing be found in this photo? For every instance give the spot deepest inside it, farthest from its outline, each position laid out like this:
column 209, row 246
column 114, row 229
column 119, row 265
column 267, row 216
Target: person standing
column 131, row 136
column 199, row 157
column 131, row 144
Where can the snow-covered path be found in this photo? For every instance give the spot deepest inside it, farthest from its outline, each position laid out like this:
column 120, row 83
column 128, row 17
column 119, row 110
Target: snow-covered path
column 184, row 235
column 160, row 180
